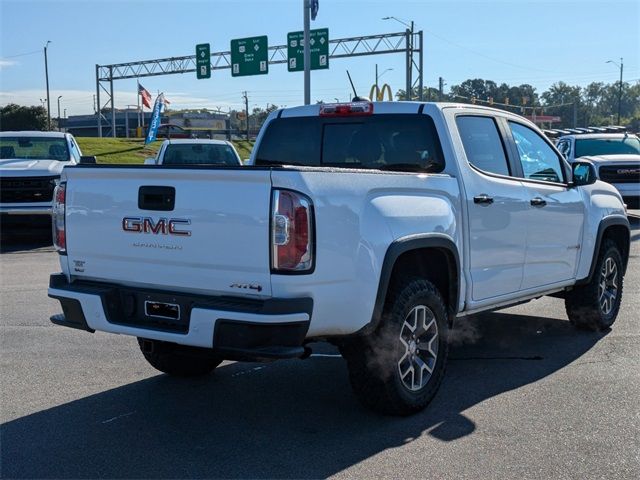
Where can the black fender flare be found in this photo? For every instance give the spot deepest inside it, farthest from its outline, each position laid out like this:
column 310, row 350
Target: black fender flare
column 602, row 227
column 394, row 251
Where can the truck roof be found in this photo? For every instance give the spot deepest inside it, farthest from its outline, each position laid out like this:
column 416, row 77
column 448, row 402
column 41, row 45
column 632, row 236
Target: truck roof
column 387, row 108
column 33, row 133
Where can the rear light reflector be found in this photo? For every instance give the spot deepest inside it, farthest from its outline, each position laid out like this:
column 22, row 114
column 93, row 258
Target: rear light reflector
column 291, row 232
column 58, row 218
column 346, row 109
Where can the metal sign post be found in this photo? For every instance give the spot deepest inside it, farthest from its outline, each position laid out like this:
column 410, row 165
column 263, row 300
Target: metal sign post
column 307, row 52
column 380, row 44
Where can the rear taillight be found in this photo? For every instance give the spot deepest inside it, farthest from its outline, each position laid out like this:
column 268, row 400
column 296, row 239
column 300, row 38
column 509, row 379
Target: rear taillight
column 58, row 218
column 291, row 232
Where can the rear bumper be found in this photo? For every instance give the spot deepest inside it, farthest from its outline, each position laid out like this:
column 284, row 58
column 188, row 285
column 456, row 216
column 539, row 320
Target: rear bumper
column 234, row 327
column 8, row 209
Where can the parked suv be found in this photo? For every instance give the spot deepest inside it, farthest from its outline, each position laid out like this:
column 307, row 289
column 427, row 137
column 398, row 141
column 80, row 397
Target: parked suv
column 30, row 166
column 616, row 157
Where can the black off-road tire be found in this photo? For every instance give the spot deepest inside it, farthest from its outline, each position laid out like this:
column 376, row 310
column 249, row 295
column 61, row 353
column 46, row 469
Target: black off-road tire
column 584, row 304
column 375, row 361
column 177, row 360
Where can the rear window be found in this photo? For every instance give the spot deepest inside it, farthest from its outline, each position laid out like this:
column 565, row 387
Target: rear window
column 607, row 146
column 37, row 148
column 200, row 154
column 383, row 142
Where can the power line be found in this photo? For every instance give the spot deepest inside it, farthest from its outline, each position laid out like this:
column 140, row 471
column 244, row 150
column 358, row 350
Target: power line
column 21, row 54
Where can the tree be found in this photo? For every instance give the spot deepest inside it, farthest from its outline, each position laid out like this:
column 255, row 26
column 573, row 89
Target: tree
column 16, row 117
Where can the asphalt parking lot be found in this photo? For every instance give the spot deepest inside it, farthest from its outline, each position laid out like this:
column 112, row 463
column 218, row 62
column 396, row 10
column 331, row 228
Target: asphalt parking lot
column 525, row 396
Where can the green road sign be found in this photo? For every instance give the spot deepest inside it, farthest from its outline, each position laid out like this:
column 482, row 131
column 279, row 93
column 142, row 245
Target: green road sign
column 203, row 61
column 249, row 56
column 319, row 43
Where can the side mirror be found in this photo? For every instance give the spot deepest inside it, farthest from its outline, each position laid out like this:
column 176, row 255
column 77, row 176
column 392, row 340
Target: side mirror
column 149, row 161
column 88, row 160
column 584, row 173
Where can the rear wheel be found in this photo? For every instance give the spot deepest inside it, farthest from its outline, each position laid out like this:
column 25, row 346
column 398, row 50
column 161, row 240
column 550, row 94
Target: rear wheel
column 595, row 305
column 397, row 370
column 178, row 360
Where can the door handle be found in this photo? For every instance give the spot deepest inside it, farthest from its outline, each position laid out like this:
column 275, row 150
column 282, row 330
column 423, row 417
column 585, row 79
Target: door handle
column 538, row 202
column 484, row 199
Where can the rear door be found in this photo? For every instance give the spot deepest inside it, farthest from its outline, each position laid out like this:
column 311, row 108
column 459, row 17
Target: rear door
column 194, row 230
column 496, row 209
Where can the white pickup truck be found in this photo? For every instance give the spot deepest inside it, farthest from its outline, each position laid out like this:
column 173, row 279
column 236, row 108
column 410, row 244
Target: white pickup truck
column 30, row 167
column 368, row 225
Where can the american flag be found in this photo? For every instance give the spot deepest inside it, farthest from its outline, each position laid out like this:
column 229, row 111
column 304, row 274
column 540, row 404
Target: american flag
column 146, row 96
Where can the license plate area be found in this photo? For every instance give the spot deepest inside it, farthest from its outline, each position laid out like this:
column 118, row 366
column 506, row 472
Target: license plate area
column 168, row 311
column 148, row 309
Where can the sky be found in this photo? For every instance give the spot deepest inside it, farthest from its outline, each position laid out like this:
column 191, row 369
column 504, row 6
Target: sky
column 515, row 42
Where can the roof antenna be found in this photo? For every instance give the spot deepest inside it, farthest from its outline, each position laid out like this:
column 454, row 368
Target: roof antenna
column 356, row 98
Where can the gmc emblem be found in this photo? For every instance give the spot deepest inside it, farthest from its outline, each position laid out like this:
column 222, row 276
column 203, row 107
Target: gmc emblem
column 628, row 171
column 164, row 226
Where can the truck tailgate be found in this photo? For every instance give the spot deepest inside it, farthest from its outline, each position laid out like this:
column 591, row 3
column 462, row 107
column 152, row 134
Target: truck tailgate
column 215, row 239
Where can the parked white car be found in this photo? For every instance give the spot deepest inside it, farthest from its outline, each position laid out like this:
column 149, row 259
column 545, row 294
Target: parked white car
column 368, row 225
column 196, row 152
column 30, row 166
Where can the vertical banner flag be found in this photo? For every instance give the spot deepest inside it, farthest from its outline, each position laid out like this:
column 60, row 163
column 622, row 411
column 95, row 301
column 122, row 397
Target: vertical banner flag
column 146, row 96
column 158, row 107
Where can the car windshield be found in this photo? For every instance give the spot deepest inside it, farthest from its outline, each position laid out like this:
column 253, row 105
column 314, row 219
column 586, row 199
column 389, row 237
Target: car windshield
column 607, row 146
column 36, row 148
column 200, row 154
column 401, row 142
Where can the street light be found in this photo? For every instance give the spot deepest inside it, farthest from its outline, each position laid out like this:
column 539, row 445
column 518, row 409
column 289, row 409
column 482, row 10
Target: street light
column 383, row 72
column 410, row 62
column 46, row 74
column 59, row 97
column 620, row 89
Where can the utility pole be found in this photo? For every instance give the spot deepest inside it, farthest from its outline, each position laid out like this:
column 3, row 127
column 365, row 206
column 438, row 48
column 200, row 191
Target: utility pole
column 246, row 110
column 46, row 74
column 59, row 97
column 620, row 87
column 94, row 103
column 440, row 88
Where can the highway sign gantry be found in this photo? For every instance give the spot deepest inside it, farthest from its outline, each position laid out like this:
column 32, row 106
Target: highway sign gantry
column 249, row 56
column 203, row 61
column 319, row 46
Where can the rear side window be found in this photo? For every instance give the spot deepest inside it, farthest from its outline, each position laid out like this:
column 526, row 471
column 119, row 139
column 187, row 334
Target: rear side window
column 382, row 142
column 482, row 144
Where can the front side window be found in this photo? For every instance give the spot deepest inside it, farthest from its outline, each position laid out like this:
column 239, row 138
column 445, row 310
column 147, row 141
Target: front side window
column 34, row 148
column 482, row 144
column 539, row 161
column 563, row 147
column 75, row 151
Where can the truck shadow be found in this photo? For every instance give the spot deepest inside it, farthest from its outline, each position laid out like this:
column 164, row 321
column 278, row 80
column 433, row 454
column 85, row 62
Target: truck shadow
column 295, row 419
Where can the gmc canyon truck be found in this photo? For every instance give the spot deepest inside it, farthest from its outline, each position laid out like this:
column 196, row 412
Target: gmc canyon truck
column 368, row 225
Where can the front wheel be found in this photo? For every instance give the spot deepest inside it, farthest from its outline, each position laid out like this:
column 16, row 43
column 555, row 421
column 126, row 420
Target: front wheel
column 595, row 305
column 178, row 360
column 397, row 369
